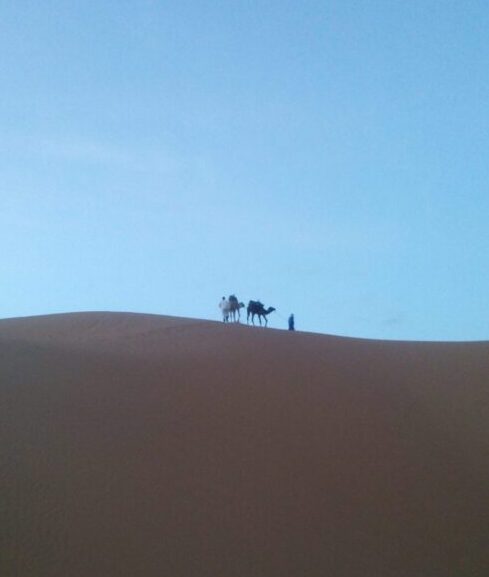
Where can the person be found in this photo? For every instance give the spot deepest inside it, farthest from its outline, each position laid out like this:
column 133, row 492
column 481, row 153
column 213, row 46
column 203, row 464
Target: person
column 224, row 306
column 291, row 323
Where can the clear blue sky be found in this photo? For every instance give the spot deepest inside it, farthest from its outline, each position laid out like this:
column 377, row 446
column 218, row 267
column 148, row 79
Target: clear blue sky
column 330, row 158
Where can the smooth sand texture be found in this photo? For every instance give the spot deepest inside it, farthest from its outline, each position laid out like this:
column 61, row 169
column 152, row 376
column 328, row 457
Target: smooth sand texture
column 139, row 445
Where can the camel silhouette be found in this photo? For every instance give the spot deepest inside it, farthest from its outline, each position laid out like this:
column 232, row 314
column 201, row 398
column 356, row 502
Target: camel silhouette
column 257, row 308
column 234, row 307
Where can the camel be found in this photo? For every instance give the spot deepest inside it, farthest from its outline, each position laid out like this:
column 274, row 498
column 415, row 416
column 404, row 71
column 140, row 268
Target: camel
column 229, row 307
column 235, row 307
column 257, row 308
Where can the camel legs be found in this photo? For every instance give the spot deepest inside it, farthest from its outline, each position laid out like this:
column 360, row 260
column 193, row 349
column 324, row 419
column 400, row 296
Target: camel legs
column 253, row 318
column 252, row 315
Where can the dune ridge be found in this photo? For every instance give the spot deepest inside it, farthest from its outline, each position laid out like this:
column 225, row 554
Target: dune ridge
column 149, row 445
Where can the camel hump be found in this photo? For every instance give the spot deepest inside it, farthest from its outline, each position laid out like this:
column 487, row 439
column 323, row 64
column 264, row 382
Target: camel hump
column 233, row 299
column 256, row 307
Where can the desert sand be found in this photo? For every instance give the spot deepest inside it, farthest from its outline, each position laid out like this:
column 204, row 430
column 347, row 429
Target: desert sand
column 143, row 445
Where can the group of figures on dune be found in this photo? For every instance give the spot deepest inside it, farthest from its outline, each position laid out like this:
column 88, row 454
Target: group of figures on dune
column 231, row 310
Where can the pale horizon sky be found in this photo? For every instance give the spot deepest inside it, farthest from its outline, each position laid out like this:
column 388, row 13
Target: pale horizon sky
column 330, row 158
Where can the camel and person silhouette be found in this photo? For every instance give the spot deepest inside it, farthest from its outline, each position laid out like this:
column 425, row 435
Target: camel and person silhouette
column 231, row 310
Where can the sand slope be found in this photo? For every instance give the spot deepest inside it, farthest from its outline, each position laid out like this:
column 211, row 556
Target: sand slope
column 139, row 445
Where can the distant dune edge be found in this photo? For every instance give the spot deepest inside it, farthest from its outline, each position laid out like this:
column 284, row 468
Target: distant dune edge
column 144, row 445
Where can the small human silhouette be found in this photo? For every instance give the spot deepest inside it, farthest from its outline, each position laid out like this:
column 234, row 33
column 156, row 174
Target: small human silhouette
column 291, row 323
column 224, row 306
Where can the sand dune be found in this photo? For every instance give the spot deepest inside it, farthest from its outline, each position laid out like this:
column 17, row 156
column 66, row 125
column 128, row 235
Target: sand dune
column 140, row 445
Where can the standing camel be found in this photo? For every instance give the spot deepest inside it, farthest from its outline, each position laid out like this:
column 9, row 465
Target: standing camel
column 234, row 307
column 257, row 308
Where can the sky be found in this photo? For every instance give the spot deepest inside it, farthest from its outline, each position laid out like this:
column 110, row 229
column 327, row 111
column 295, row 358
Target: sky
column 329, row 158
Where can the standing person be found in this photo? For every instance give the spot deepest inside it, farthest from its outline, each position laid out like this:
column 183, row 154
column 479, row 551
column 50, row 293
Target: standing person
column 224, row 306
column 291, row 323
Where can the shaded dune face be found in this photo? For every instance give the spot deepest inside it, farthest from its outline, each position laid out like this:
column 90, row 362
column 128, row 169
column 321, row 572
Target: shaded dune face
column 147, row 445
